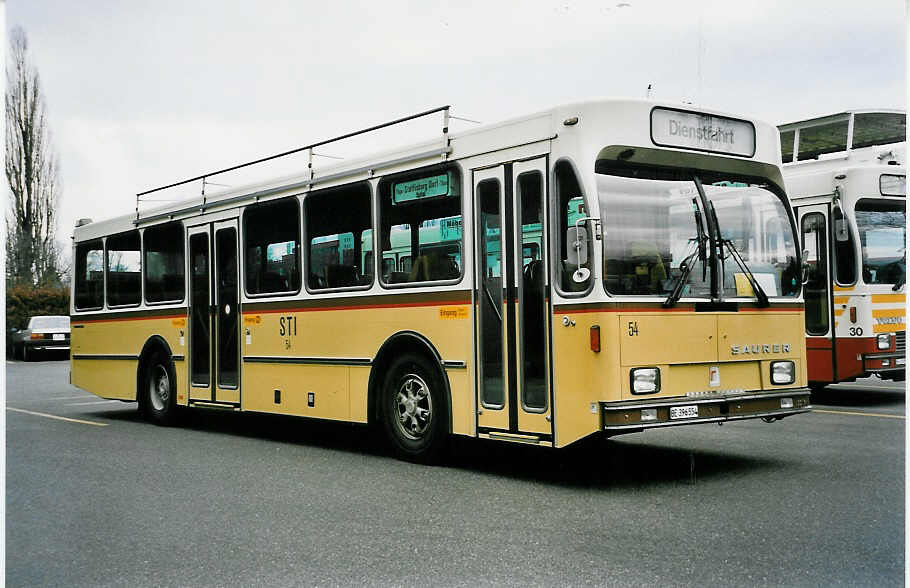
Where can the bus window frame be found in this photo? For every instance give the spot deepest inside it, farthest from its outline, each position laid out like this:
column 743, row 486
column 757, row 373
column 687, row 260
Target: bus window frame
column 107, row 238
column 242, row 242
column 182, row 299
column 853, row 241
column 305, row 241
column 556, row 229
column 385, row 183
column 103, row 275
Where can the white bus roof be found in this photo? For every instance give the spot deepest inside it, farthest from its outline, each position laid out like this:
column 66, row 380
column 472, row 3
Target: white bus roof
column 620, row 122
column 843, row 134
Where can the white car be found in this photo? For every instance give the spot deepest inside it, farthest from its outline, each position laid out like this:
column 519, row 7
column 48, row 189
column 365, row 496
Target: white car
column 44, row 333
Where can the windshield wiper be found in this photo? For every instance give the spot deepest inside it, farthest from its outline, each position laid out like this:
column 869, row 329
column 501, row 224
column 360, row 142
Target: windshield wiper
column 685, row 269
column 686, row 266
column 734, row 253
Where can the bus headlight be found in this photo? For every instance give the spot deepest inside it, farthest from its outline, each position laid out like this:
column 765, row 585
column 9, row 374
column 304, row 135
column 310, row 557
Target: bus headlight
column 783, row 372
column 645, row 380
column 883, row 341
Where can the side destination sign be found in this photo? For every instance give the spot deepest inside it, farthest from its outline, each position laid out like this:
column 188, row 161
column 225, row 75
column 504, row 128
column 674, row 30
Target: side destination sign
column 704, row 132
column 423, row 188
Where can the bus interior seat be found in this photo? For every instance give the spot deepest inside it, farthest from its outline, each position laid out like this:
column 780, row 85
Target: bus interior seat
column 398, row 277
column 341, row 276
column 643, row 269
column 534, row 277
column 273, row 282
column 433, row 266
column 171, row 286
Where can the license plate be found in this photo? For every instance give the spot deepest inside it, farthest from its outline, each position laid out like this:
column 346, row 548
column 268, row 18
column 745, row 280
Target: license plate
column 58, row 336
column 683, row 412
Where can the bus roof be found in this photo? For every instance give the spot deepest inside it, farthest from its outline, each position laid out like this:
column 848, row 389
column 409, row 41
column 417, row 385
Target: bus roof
column 614, row 122
column 841, row 134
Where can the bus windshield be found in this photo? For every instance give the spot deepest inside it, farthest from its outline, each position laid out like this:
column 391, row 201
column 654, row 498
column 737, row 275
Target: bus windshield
column 655, row 230
column 755, row 221
column 882, row 226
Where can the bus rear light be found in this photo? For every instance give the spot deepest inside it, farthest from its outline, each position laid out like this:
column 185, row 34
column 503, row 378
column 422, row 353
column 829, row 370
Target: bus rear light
column 883, row 341
column 645, row 380
column 783, row 372
column 595, row 339
column 852, row 314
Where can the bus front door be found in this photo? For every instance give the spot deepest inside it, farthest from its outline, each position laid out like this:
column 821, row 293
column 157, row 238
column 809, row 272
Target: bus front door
column 512, row 298
column 214, row 313
column 820, row 343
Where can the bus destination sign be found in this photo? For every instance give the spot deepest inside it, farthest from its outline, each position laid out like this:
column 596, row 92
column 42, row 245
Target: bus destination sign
column 705, row 132
column 423, row 188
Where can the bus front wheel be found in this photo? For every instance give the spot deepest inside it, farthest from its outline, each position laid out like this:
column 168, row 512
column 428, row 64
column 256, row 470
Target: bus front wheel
column 414, row 410
column 159, row 394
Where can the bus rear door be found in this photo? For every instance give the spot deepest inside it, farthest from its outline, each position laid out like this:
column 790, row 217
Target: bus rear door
column 214, row 309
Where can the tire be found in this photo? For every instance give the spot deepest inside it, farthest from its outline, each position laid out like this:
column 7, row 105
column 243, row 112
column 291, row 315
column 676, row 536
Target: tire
column 818, row 390
column 27, row 355
column 158, row 395
column 414, row 410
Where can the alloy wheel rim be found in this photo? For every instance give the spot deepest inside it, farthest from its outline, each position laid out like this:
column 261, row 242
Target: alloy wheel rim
column 159, row 388
column 413, row 407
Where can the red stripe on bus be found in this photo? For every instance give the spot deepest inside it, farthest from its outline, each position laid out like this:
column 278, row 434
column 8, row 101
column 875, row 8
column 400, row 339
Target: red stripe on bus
column 356, row 307
column 570, row 310
column 129, row 318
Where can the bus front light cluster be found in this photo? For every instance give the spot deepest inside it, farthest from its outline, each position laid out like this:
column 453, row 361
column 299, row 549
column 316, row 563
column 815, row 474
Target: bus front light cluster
column 883, row 341
column 645, row 380
column 783, row 372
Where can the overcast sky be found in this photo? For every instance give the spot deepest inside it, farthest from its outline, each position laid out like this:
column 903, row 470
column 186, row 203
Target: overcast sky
column 143, row 93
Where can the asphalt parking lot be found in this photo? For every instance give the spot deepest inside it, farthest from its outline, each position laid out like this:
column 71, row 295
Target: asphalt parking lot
column 95, row 496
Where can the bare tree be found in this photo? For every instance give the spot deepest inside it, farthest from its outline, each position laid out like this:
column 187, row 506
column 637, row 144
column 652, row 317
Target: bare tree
column 32, row 173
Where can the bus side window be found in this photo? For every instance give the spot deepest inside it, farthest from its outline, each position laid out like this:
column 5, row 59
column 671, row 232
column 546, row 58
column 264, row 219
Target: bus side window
column 163, row 261
column 89, row 275
column 570, row 207
column 421, row 226
column 271, row 234
column 124, row 269
column 340, row 237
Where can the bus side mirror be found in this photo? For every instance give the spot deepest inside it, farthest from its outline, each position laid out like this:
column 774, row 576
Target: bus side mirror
column 841, row 233
column 577, row 239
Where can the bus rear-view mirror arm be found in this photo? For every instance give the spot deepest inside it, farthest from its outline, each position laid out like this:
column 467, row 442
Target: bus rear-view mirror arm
column 578, row 252
column 805, row 266
column 841, row 232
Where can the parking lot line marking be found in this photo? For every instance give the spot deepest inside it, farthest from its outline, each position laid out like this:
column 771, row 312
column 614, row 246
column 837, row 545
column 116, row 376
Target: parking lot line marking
column 94, row 402
column 872, row 414
column 59, row 418
column 69, row 397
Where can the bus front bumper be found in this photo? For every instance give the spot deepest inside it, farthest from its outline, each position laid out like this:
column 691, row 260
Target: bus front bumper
column 636, row 415
column 875, row 363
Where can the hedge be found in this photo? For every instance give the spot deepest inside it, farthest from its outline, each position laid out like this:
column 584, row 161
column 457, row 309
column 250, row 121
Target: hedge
column 23, row 302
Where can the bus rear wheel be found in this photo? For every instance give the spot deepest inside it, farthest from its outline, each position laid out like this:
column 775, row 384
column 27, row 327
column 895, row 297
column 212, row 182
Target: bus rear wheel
column 414, row 412
column 158, row 399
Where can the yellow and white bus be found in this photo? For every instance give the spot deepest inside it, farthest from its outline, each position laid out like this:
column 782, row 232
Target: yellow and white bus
column 845, row 174
column 597, row 268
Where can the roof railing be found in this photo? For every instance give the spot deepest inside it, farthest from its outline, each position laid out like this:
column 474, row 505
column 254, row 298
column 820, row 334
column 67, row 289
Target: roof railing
column 308, row 149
